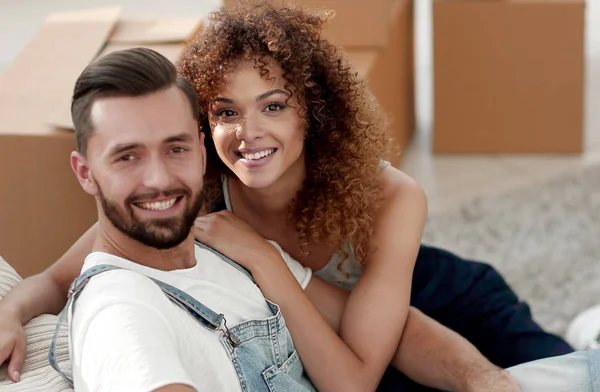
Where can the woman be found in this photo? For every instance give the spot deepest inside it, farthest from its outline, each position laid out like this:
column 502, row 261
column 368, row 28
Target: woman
column 322, row 191
column 294, row 145
column 284, row 160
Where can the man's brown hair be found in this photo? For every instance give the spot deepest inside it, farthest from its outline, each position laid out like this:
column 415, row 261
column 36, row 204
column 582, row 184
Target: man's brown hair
column 124, row 73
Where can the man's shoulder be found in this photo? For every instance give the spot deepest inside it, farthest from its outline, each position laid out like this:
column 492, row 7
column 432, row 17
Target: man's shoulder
column 121, row 295
column 120, row 278
column 97, row 258
column 119, row 286
column 126, row 277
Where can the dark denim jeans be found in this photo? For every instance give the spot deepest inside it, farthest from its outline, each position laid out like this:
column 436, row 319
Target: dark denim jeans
column 472, row 299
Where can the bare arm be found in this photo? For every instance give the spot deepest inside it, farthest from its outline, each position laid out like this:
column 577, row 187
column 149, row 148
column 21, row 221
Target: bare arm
column 330, row 362
column 436, row 356
column 47, row 291
column 429, row 353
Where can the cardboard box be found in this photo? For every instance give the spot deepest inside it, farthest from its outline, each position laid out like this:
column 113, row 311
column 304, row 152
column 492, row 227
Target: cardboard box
column 508, row 76
column 389, row 72
column 43, row 209
column 356, row 23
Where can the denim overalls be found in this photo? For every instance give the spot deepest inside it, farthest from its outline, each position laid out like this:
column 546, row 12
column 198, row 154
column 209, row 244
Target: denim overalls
column 262, row 351
column 593, row 358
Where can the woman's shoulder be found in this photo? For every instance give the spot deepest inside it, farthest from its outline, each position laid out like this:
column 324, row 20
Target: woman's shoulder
column 402, row 208
column 395, row 183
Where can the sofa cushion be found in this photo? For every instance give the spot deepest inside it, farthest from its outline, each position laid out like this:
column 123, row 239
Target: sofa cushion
column 37, row 375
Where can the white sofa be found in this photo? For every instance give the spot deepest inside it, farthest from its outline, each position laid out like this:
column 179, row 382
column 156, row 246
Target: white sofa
column 37, row 375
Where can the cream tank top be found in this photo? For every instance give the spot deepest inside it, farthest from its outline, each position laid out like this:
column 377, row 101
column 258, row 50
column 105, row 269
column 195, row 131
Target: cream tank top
column 344, row 275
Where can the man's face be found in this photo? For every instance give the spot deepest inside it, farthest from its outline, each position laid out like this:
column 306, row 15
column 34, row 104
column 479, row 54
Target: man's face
column 144, row 164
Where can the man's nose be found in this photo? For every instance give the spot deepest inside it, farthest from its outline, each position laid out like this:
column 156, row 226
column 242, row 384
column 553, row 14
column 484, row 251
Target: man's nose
column 157, row 174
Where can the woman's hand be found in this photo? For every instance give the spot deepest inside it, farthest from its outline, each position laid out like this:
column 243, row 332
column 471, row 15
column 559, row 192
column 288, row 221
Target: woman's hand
column 231, row 236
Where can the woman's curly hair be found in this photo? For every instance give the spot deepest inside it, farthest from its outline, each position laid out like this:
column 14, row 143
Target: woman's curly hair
column 345, row 139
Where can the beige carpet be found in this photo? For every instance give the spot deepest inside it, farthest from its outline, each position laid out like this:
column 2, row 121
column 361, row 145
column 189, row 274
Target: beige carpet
column 545, row 240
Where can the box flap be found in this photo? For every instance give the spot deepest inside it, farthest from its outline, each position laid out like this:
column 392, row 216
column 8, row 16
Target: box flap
column 19, row 117
column 141, row 31
column 44, row 72
column 23, row 115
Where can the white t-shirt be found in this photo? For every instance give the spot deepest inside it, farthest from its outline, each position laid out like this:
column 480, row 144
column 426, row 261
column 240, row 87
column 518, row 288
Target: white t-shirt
column 126, row 335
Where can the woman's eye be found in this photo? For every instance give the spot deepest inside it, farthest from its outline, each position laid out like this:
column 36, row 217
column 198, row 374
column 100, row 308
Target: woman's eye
column 273, row 107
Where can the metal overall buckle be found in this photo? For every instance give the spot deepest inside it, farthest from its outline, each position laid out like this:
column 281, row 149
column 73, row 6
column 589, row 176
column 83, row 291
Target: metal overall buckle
column 223, row 328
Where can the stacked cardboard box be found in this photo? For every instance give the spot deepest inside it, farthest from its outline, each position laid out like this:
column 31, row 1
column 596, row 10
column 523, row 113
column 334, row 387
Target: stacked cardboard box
column 388, row 68
column 43, row 209
column 508, row 76
column 378, row 36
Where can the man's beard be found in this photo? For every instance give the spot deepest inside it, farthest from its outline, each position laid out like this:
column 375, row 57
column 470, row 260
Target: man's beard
column 164, row 233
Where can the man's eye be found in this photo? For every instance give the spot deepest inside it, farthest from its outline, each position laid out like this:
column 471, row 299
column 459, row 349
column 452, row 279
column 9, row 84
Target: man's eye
column 226, row 113
column 177, row 150
column 127, row 157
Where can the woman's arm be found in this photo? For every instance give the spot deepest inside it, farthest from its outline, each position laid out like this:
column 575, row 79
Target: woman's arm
column 375, row 314
column 36, row 295
column 330, row 362
column 372, row 322
column 429, row 353
column 436, row 356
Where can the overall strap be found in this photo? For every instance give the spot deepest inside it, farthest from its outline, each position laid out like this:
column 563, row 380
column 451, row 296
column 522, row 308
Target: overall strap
column 593, row 359
column 202, row 314
column 226, row 259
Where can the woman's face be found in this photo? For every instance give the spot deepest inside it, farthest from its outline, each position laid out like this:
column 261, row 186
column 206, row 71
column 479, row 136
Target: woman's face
column 257, row 130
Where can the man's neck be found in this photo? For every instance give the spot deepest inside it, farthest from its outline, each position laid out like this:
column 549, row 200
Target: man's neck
column 110, row 240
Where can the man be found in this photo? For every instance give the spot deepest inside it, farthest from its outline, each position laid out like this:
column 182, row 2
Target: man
column 159, row 313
